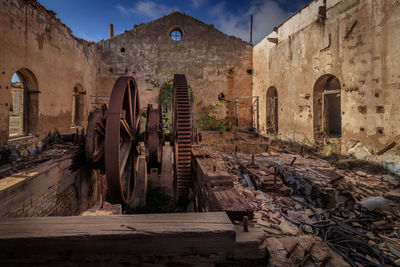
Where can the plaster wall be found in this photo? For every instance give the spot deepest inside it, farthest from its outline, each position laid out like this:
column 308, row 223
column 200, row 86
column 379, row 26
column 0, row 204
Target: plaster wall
column 34, row 39
column 212, row 62
column 359, row 43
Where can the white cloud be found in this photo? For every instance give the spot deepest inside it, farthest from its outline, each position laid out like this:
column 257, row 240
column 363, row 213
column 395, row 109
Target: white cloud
column 266, row 15
column 148, row 9
column 123, row 10
column 198, row 3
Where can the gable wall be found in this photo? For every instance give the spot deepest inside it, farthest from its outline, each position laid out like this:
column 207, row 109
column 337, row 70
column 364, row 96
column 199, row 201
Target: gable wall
column 212, row 62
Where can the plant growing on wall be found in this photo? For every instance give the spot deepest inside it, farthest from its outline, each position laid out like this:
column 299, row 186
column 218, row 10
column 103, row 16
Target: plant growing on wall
column 166, row 83
column 207, row 118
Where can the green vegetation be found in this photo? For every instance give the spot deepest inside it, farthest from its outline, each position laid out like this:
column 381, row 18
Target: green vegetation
column 166, row 83
column 207, row 121
column 331, row 153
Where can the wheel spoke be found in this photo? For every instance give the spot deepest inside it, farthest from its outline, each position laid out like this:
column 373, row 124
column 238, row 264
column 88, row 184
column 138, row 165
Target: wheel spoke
column 127, row 128
column 125, row 150
column 130, row 110
column 128, row 190
column 120, row 141
column 136, row 117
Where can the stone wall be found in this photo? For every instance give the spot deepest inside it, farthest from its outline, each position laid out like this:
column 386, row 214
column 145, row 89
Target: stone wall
column 212, row 62
column 356, row 42
column 51, row 60
column 50, row 189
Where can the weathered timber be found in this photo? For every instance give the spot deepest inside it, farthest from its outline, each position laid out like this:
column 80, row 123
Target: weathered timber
column 385, row 149
column 198, row 152
column 214, row 189
column 266, row 183
column 115, row 240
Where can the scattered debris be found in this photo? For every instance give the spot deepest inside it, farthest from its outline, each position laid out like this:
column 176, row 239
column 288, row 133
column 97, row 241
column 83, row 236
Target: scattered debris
column 313, row 212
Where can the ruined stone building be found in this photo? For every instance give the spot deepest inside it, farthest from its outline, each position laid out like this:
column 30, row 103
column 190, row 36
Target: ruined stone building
column 348, row 48
column 331, row 71
column 329, row 76
column 63, row 74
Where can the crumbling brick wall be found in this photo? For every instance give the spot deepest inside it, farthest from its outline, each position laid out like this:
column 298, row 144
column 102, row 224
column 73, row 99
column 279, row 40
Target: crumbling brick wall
column 49, row 203
column 50, row 189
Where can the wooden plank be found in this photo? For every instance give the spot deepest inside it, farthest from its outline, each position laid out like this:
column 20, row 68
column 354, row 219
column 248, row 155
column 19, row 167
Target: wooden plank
column 132, row 239
column 198, row 152
column 109, row 225
column 229, row 200
column 211, row 174
column 214, row 190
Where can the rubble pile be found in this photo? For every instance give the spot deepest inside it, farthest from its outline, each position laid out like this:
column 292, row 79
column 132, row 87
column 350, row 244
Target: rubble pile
column 56, row 151
column 314, row 213
column 30, row 152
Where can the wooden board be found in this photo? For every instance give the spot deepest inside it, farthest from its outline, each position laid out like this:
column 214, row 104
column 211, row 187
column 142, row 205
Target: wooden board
column 198, row 152
column 114, row 239
column 214, row 190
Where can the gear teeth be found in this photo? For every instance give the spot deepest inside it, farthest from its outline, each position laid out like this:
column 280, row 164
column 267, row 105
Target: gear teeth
column 183, row 139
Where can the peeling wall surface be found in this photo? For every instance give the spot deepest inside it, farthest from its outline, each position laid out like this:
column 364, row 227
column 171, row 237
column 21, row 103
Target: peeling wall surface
column 213, row 62
column 43, row 50
column 53, row 61
column 358, row 42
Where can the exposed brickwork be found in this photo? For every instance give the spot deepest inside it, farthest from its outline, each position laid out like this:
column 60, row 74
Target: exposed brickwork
column 49, row 203
column 50, row 189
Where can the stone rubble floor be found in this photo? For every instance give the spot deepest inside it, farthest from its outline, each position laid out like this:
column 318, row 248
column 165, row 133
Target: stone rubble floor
column 316, row 214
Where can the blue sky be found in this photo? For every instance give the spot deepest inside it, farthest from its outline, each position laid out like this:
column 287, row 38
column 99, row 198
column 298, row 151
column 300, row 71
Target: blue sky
column 89, row 19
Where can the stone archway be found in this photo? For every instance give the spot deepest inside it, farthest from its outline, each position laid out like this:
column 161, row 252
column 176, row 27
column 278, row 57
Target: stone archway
column 327, row 108
column 23, row 106
column 272, row 110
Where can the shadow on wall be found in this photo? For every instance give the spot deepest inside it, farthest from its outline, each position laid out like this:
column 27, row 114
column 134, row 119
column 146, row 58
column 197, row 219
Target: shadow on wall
column 327, row 108
column 272, row 110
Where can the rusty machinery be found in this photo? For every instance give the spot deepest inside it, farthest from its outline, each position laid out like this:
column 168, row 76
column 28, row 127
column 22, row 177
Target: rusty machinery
column 113, row 136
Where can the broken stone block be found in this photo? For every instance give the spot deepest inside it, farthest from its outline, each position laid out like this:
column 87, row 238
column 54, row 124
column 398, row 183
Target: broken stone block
column 277, row 253
column 248, row 192
column 260, row 197
column 390, row 179
column 288, row 228
column 361, row 173
column 375, row 203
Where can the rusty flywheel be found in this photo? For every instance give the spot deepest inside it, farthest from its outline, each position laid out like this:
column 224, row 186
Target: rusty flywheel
column 113, row 136
column 95, row 137
column 181, row 138
column 122, row 140
column 154, row 138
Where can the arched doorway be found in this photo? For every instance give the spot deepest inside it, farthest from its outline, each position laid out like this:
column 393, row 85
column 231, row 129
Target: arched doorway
column 78, row 105
column 23, row 104
column 327, row 108
column 272, row 110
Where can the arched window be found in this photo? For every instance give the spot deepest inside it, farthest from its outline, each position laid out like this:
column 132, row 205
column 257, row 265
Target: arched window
column 327, row 108
column 78, row 106
column 23, row 104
